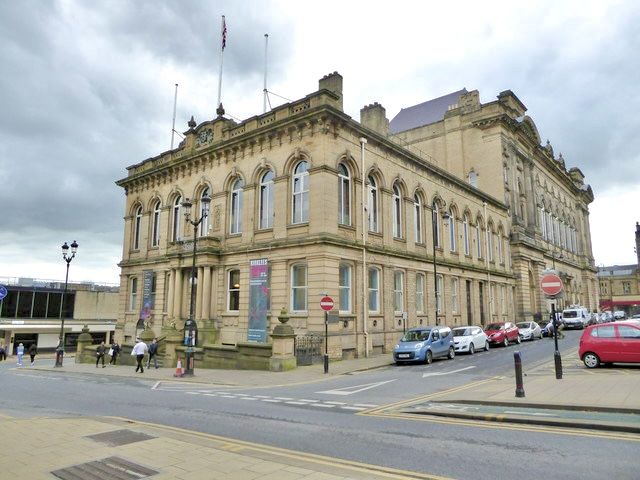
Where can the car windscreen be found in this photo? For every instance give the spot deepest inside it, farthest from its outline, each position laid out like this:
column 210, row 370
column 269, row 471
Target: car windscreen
column 570, row 314
column 523, row 325
column 495, row 326
column 415, row 335
column 462, row 332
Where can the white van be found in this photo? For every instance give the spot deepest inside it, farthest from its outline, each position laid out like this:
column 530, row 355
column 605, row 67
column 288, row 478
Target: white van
column 575, row 317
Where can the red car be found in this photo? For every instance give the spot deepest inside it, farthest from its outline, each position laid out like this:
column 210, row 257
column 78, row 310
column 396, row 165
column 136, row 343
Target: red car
column 502, row 333
column 617, row 342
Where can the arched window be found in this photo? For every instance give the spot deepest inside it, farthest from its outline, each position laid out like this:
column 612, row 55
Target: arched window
column 417, row 219
column 372, row 204
column 420, row 293
column 452, row 231
column 374, row 289
column 301, row 193
column 344, row 195
column 266, row 200
column 176, row 212
column 344, row 279
column 299, row 288
column 398, row 292
column 155, row 225
column 490, row 242
column 465, row 233
column 435, row 219
column 204, row 213
column 499, row 246
column 133, row 293
column 235, row 213
column 473, row 179
column 397, row 212
column 543, row 223
column 137, row 221
column 478, row 239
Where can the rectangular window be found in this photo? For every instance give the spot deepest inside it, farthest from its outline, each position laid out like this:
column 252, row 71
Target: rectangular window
column 10, row 304
column 152, row 295
column 478, row 241
column 299, row 288
column 398, row 292
column 490, row 245
column 419, row 292
column 53, row 305
column 345, row 288
column 40, row 305
column 133, row 293
column 233, row 291
column 24, row 304
column 503, row 299
column 626, row 288
column 454, row 295
column 374, row 290
column 439, row 293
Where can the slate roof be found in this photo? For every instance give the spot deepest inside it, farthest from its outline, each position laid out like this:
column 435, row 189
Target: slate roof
column 424, row 113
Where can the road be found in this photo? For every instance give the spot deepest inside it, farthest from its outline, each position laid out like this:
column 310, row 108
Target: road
column 330, row 417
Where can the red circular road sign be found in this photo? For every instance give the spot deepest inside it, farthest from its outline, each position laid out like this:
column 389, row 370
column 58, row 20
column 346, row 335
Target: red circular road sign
column 551, row 284
column 326, row 303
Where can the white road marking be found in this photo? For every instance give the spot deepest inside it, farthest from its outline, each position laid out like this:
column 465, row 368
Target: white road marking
column 192, row 393
column 337, row 403
column 242, row 395
column 532, row 413
column 296, row 403
column 156, row 385
column 323, row 405
column 366, row 405
column 353, row 408
column 306, row 400
column 263, row 396
column 355, row 388
column 270, row 400
column 436, row 374
column 227, row 396
column 248, row 398
column 284, row 398
column 210, row 394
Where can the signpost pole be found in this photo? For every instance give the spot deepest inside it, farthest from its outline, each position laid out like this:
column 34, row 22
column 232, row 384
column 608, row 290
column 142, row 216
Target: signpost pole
column 557, row 359
column 326, row 341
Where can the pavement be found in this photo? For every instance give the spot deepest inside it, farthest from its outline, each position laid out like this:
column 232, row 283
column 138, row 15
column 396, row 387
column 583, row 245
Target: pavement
column 78, row 447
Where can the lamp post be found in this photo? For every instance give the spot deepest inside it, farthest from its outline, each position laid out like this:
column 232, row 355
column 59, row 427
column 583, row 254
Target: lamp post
column 190, row 326
column 434, row 227
column 67, row 258
column 553, row 261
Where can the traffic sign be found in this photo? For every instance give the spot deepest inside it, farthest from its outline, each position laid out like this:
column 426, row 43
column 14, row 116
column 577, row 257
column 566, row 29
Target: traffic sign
column 3, row 291
column 551, row 284
column 326, row 303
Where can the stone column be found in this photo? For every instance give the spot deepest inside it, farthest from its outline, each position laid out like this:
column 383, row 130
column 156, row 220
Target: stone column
column 177, row 294
column 84, row 340
column 169, row 279
column 206, row 293
column 199, row 289
column 283, row 340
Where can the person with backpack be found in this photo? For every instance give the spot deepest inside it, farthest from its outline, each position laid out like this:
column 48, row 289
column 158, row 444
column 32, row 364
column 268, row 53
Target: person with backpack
column 100, row 351
column 33, row 351
column 114, row 352
column 153, row 350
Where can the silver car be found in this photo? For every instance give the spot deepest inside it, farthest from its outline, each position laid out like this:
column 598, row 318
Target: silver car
column 529, row 330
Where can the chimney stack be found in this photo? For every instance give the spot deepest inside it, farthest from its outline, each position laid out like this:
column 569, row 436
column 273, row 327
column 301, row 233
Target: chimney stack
column 374, row 117
column 333, row 83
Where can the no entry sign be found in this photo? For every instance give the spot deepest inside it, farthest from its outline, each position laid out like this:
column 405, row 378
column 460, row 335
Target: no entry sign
column 326, row 303
column 551, row 284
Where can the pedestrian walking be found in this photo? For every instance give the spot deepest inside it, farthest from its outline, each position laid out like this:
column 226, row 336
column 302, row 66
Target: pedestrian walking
column 139, row 350
column 20, row 353
column 33, row 351
column 153, row 350
column 3, row 352
column 114, row 351
column 100, row 351
column 560, row 326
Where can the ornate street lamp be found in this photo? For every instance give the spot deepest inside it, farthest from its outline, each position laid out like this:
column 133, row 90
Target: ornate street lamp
column 190, row 326
column 67, row 258
column 434, row 228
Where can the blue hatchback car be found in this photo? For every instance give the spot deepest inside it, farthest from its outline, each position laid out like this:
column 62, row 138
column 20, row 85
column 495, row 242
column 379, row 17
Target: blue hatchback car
column 423, row 344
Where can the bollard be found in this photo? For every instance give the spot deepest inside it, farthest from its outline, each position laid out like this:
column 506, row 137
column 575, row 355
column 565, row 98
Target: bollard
column 519, row 384
column 326, row 363
column 558, row 364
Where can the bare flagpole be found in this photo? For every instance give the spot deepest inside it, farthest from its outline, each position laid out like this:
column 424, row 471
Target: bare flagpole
column 264, row 90
column 223, row 42
column 173, row 125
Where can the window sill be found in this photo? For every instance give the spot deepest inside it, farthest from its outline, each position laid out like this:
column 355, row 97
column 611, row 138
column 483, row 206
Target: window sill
column 346, row 227
column 230, row 313
column 298, row 225
column 263, row 230
column 399, row 239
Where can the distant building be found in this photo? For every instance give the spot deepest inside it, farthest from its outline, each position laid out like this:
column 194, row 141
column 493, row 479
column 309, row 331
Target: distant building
column 307, row 201
column 32, row 309
column 620, row 284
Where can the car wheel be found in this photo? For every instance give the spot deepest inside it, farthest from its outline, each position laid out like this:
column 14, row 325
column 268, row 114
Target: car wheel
column 472, row 349
column 591, row 360
column 505, row 342
column 518, row 340
column 428, row 357
column 486, row 346
column 452, row 353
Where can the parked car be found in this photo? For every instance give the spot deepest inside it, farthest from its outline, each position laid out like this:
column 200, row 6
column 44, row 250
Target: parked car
column 423, row 344
column 610, row 343
column 593, row 318
column 619, row 315
column 529, row 330
column 502, row 333
column 605, row 317
column 575, row 317
column 469, row 339
column 635, row 317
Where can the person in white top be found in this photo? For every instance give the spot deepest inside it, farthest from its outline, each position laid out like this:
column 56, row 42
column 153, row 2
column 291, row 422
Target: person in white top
column 139, row 349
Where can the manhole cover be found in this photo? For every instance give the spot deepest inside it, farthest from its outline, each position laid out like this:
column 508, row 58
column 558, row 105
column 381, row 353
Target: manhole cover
column 120, row 437
column 106, row 469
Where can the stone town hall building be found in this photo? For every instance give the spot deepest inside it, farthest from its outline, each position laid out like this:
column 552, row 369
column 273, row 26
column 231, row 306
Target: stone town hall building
column 287, row 191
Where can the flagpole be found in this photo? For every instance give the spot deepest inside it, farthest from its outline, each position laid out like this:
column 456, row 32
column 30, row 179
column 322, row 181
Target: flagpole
column 264, row 91
column 222, row 44
column 173, row 125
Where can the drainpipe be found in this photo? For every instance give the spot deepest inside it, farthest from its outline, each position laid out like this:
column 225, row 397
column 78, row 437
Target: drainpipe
column 365, row 303
column 486, row 219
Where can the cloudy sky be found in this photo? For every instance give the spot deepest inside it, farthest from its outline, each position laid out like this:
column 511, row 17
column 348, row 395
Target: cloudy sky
column 87, row 89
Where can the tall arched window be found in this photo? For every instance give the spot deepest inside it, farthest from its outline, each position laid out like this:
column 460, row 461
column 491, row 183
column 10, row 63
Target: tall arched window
column 374, row 289
column 176, row 219
column 465, row 234
column 344, row 195
column 398, row 292
column 490, row 242
column 420, row 293
column 452, row 231
column 372, row 204
column 266, row 200
column 417, row 218
column 435, row 219
column 499, row 240
column 137, row 221
column 543, row 223
column 299, row 288
column 235, row 213
column 478, row 238
column 155, row 225
column 204, row 225
column 300, row 193
column 344, row 280
column 397, row 212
